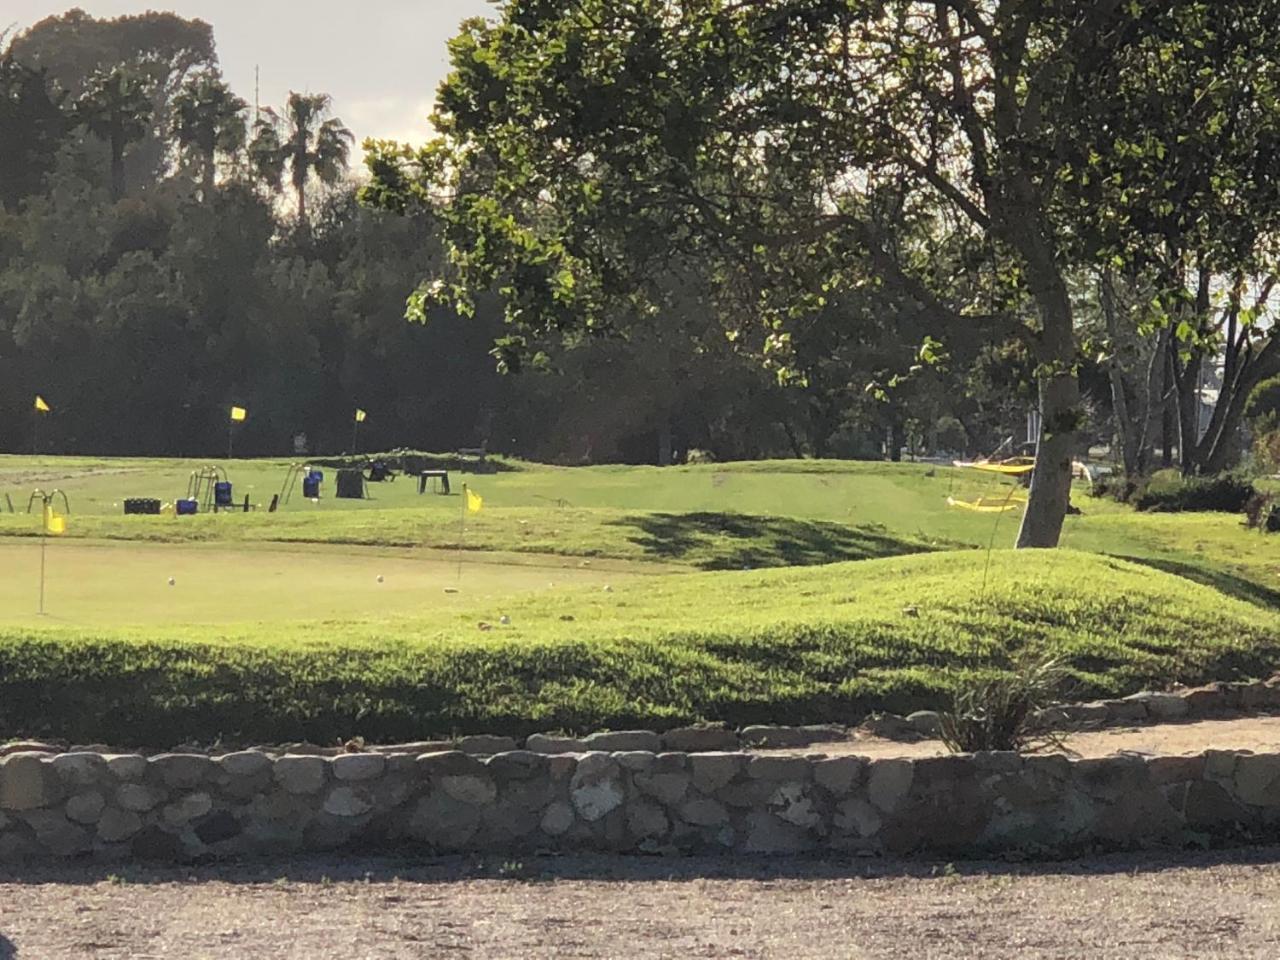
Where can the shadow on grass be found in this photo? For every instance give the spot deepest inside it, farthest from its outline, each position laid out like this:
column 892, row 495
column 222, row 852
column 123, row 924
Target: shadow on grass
column 731, row 541
column 1228, row 583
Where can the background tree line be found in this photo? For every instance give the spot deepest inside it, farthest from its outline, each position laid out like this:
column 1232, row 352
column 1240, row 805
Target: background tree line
column 167, row 251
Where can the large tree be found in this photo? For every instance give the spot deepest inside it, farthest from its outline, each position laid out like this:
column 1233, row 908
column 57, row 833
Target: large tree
column 583, row 140
column 306, row 140
column 165, row 49
column 1186, row 164
column 33, row 125
column 116, row 107
column 208, row 121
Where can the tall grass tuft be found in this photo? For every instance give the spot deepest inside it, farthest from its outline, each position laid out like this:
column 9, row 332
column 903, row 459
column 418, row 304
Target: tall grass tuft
column 997, row 712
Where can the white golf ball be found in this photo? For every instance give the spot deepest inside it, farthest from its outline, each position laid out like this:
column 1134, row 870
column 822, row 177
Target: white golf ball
column 504, row 620
column 172, row 581
column 379, row 578
column 608, row 589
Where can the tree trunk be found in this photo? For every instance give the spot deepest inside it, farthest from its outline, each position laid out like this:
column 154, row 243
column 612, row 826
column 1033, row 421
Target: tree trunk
column 664, row 445
column 1166, row 417
column 1187, row 381
column 1050, row 492
column 117, row 169
column 1153, row 403
column 1127, row 432
column 1215, row 451
column 797, row 448
column 897, row 437
column 300, row 168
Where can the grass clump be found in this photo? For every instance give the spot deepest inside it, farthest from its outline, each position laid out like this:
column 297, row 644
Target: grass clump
column 997, row 712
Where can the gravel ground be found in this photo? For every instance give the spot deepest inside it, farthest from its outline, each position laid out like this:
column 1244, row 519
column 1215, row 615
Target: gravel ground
column 1259, row 734
column 1148, row 907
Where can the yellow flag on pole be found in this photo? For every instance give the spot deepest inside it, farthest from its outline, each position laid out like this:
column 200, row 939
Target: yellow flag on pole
column 360, row 415
column 238, row 414
column 474, row 501
column 41, row 406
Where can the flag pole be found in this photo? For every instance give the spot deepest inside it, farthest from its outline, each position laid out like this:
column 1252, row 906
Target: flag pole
column 355, row 433
column 44, row 539
column 462, row 531
column 231, row 426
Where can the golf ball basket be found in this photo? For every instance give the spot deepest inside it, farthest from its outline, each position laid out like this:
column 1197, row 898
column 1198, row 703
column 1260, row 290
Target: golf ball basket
column 312, row 481
column 47, row 500
column 210, row 488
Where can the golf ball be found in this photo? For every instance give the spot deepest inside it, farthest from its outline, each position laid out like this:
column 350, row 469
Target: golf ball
column 172, row 581
column 504, row 620
column 379, row 578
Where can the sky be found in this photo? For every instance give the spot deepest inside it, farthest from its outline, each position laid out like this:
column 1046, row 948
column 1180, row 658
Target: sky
column 380, row 60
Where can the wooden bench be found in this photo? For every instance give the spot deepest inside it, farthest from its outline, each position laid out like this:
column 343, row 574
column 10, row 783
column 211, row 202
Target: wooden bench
column 480, row 454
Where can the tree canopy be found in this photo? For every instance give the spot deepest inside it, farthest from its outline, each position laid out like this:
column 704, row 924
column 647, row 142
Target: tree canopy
column 792, row 143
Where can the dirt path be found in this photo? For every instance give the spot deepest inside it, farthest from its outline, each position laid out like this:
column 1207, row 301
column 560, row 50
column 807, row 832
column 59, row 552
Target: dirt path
column 1153, row 907
column 1259, row 734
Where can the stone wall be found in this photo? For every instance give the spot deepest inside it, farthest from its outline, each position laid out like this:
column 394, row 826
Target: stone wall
column 181, row 807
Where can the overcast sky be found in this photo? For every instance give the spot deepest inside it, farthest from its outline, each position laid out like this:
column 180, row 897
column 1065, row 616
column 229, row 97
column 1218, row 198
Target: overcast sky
column 380, row 59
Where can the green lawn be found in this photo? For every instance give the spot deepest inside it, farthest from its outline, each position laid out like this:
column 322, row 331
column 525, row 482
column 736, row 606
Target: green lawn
column 792, row 645
column 277, row 627
column 717, row 516
column 92, row 584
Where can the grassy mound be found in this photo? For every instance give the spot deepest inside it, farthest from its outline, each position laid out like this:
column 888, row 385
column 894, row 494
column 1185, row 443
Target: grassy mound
column 792, row 645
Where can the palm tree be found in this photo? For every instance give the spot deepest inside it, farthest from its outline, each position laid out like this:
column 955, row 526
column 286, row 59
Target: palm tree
column 116, row 107
column 314, row 143
column 208, row 120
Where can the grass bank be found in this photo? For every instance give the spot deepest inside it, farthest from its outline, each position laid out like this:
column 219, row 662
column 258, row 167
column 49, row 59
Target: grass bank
column 791, row 645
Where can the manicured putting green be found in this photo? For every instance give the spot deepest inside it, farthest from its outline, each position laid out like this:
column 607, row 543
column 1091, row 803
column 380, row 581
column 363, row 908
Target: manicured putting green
column 97, row 584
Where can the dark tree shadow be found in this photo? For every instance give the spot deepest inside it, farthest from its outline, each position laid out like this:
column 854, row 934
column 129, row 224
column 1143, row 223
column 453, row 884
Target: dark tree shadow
column 731, row 541
column 7, row 950
column 1228, row 583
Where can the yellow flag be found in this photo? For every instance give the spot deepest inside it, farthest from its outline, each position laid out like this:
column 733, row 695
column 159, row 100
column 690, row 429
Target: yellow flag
column 474, row 501
column 238, row 414
column 1007, row 467
column 54, row 523
column 41, row 406
column 360, row 416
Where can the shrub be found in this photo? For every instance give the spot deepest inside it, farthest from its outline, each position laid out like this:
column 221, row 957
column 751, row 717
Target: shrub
column 696, row 455
column 1263, row 406
column 1262, row 512
column 1266, row 450
column 950, row 434
column 996, row 712
column 1115, row 486
column 1227, row 493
